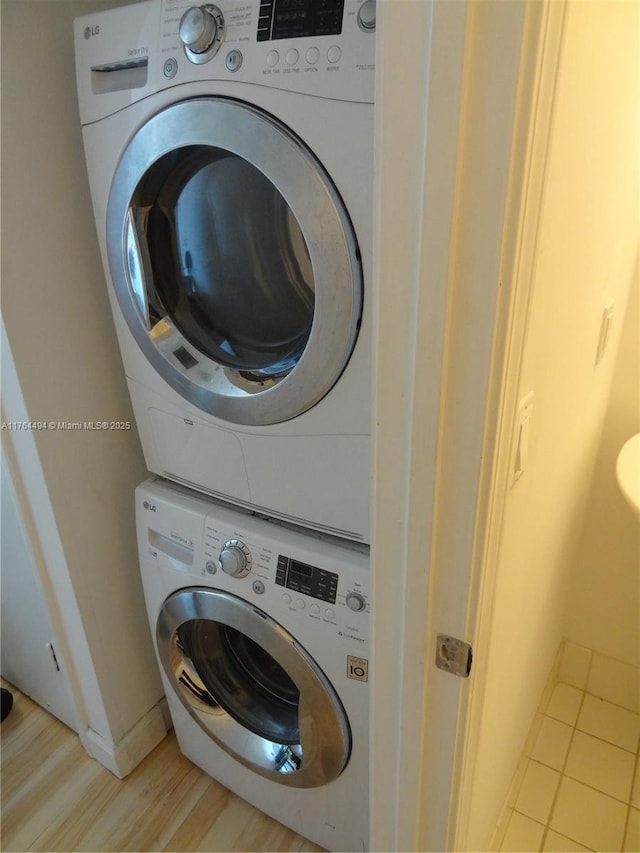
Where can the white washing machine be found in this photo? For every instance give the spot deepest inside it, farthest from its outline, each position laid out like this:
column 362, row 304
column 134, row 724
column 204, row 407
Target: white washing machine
column 230, row 156
column 262, row 635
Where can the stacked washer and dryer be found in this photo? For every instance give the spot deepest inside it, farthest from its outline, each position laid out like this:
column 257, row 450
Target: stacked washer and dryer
column 229, row 149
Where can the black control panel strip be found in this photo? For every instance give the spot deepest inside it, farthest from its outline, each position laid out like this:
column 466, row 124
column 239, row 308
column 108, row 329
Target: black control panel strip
column 264, row 20
column 310, row 580
column 281, row 19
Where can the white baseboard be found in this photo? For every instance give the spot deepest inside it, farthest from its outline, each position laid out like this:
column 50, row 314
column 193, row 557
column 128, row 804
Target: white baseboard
column 122, row 757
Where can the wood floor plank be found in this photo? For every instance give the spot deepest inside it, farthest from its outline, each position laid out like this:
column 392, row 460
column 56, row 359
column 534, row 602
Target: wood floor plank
column 244, row 827
column 51, row 791
column 31, row 737
column 95, row 822
column 56, row 798
column 156, row 836
column 145, row 806
column 205, row 813
column 309, row 847
column 273, row 836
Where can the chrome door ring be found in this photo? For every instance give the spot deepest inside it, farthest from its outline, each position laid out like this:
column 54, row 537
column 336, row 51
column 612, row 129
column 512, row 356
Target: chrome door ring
column 325, row 737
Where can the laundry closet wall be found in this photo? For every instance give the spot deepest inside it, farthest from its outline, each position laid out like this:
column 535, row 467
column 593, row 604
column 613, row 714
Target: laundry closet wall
column 75, row 485
column 603, row 610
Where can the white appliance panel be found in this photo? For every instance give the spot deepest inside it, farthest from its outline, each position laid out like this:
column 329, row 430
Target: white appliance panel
column 180, row 537
column 123, row 81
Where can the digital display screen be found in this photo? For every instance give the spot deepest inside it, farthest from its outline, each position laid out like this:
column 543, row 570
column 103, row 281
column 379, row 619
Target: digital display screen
column 301, row 568
column 281, row 19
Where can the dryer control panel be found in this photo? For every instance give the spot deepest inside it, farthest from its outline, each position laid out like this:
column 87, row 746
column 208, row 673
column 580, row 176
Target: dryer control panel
column 281, row 19
column 292, row 44
column 324, row 48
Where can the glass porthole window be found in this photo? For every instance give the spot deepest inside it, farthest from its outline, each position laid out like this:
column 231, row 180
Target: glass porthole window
column 221, row 665
column 234, row 277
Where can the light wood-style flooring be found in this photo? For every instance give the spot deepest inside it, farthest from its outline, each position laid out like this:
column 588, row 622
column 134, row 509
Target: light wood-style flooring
column 56, row 798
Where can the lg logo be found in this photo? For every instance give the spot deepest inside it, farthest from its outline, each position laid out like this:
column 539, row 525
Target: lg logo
column 91, row 31
column 150, row 507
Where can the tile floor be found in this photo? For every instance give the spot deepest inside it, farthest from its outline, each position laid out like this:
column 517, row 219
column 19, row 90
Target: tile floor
column 581, row 785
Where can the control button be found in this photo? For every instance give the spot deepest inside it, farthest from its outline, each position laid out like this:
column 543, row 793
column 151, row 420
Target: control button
column 367, row 16
column 211, row 567
column 286, row 598
column 312, row 55
column 300, row 604
column 257, row 587
column 170, row 68
column 329, row 613
column 356, row 601
column 315, row 609
column 291, row 56
column 334, row 54
column 233, row 60
column 197, row 29
column 201, row 32
column 273, row 58
column 235, row 559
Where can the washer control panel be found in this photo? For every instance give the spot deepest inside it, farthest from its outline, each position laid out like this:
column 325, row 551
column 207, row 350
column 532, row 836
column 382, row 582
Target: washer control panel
column 288, row 573
column 238, row 552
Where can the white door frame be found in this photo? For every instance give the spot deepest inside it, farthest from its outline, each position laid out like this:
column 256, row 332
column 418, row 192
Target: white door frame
column 414, row 202
column 542, row 41
column 457, row 84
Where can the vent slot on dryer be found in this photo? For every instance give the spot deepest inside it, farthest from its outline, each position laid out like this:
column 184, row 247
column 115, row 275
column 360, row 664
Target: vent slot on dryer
column 119, row 76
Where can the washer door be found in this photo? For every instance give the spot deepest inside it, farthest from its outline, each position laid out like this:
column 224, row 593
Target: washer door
column 252, row 687
column 234, row 261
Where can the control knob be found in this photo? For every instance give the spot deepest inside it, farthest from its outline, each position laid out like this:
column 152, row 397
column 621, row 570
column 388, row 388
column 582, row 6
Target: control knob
column 356, row 601
column 201, row 32
column 367, row 15
column 235, row 559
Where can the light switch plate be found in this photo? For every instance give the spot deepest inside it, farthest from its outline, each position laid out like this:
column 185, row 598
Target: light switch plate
column 522, row 437
column 605, row 328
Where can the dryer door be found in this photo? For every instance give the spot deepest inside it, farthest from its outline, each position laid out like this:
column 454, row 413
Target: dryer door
column 234, row 261
column 252, row 687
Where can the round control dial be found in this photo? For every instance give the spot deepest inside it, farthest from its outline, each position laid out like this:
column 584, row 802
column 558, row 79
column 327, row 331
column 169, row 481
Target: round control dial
column 367, row 16
column 201, row 32
column 356, row 601
column 235, row 559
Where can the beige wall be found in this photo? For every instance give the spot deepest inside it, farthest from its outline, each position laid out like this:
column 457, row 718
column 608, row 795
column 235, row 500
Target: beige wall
column 59, row 326
column 603, row 607
column 585, row 258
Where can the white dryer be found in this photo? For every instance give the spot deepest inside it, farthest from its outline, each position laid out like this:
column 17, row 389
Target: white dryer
column 262, row 635
column 230, row 155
